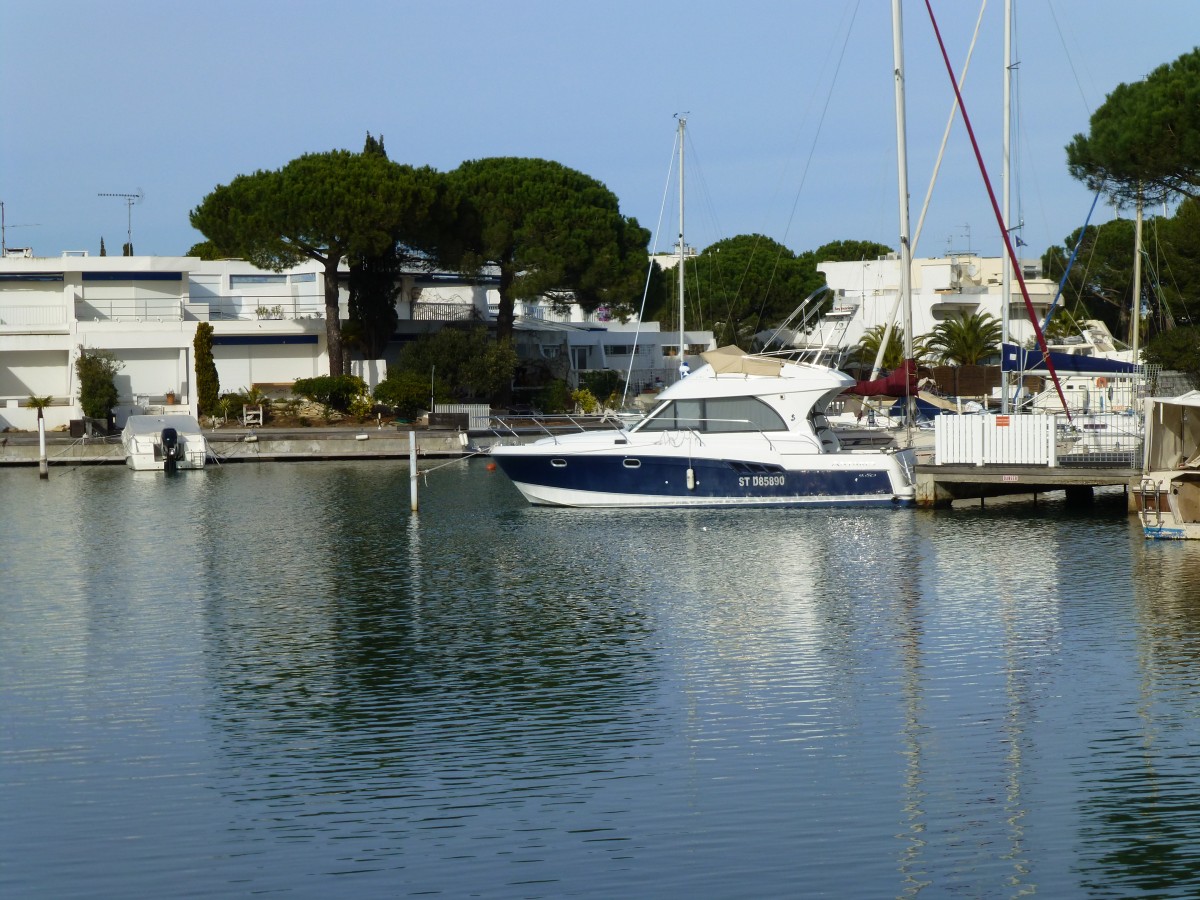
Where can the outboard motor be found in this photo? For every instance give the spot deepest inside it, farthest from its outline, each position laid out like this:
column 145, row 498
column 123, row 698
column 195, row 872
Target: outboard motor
column 171, row 450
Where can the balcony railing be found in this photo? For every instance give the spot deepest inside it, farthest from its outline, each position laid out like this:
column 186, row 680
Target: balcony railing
column 442, row 312
column 250, row 309
column 32, row 316
column 129, row 310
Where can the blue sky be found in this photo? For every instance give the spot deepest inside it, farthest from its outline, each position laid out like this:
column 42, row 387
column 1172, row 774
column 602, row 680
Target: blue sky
column 789, row 105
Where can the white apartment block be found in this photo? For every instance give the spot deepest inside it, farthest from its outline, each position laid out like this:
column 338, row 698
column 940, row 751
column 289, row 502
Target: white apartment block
column 268, row 328
column 865, row 296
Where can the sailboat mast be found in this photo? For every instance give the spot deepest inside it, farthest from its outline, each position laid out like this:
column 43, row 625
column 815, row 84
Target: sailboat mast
column 682, row 346
column 1136, row 312
column 1005, row 196
column 902, row 180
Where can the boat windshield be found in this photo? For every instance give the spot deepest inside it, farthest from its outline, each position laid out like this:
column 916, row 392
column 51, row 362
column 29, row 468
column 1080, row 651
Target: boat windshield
column 715, row 415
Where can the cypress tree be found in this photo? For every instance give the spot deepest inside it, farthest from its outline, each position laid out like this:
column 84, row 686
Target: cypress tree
column 208, row 385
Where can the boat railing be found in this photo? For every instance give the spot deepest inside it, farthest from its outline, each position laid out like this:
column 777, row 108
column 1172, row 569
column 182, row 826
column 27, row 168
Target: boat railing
column 519, row 426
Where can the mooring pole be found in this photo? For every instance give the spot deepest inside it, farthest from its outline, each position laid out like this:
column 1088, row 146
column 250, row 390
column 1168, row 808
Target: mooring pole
column 43, row 464
column 412, row 468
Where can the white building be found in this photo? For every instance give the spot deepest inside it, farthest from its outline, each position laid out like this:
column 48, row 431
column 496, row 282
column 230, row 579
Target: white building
column 269, row 328
column 865, row 295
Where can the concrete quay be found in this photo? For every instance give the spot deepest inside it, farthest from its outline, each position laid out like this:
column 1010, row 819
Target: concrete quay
column 245, row 445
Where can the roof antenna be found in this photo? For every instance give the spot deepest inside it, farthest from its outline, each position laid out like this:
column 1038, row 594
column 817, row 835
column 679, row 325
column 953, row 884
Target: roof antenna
column 129, row 199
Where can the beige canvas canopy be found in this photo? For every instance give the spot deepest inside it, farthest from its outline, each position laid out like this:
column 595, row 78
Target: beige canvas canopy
column 732, row 359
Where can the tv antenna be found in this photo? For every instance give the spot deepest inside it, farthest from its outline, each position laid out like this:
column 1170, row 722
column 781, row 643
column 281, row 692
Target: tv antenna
column 4, row 226
column 129, row 199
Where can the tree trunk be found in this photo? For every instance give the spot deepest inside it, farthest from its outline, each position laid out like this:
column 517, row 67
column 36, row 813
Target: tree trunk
column 505, row 316
column 333, row 322
column 506, row 313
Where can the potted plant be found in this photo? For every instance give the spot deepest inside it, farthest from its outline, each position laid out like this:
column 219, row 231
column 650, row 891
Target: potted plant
column 170, row 398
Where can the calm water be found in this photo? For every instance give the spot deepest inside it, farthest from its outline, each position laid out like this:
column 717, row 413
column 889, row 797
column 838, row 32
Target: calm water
column 271, row 679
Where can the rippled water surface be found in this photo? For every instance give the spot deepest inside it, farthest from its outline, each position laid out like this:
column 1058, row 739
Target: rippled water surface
column 272, row 679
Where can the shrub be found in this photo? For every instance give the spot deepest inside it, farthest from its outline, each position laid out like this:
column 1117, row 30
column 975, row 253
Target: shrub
column 605, row 383
column 96, row 370
column 555, row 397
column 408, row 392
column 585, row 400
column 331, row 391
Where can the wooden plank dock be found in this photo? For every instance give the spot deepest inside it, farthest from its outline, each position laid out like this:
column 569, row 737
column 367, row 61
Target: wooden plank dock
column 941, row 485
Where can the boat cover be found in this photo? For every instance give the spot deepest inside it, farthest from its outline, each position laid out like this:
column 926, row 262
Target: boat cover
column 734, row 359
column 902, row 382
column 1016, row 359
column 183, row 424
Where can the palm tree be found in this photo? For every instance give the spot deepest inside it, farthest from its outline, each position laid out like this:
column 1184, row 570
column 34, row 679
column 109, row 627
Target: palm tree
column 867, row 348
column 38, row 403
column 966, row 339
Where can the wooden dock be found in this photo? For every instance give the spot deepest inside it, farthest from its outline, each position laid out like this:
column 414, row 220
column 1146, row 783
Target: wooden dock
column 941, row 485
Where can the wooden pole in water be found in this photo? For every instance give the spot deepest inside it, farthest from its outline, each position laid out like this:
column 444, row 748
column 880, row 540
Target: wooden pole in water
column 412, row 468
column 43, row 464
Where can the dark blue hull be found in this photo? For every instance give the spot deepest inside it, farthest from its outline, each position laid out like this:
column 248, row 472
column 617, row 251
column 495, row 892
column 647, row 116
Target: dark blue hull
column 607, row 480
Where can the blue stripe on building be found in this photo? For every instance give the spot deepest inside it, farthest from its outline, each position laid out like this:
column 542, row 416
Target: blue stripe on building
column 243, row 340
column 133, row 276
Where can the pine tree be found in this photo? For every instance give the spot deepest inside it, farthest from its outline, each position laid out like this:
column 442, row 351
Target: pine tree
column 103, row 252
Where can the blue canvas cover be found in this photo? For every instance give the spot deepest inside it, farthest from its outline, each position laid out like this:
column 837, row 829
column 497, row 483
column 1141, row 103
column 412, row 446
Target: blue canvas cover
column 1016, row 359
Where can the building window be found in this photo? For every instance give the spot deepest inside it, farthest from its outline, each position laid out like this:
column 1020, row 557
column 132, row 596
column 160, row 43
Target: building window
column 235, row 280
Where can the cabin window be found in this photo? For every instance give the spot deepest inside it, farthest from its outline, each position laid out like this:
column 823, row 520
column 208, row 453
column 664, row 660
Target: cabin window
column 716, row 416
column 742, row 414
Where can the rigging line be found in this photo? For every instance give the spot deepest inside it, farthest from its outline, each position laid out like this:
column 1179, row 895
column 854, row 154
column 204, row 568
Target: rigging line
column 1017, row 123
column 812, row 97
column 824, row 67
column 807, row 163
column 1070, row 262
column 1070, row 62
column 820, row 122
column 1012, row 253
column 937, row 165
column 1166, row 262
column 650, row 269
column 698, row 174
column 713, row 259
column 1154, row 268
column 885, row 338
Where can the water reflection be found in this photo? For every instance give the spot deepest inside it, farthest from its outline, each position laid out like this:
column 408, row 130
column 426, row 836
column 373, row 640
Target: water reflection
column 1142, row 797
column 328, row 693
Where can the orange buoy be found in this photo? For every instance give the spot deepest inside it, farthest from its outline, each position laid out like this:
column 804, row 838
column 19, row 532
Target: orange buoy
column 491, row 467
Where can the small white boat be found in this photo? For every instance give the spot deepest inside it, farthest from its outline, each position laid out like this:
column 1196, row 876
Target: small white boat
column 1169, row 496
column 744, row 430
column 164, row 443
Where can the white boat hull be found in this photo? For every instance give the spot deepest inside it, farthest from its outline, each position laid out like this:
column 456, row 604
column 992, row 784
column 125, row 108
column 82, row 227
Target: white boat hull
column 142, row 440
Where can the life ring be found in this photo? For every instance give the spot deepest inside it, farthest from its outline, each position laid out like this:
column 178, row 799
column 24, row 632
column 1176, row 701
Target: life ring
column 1101, row 382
